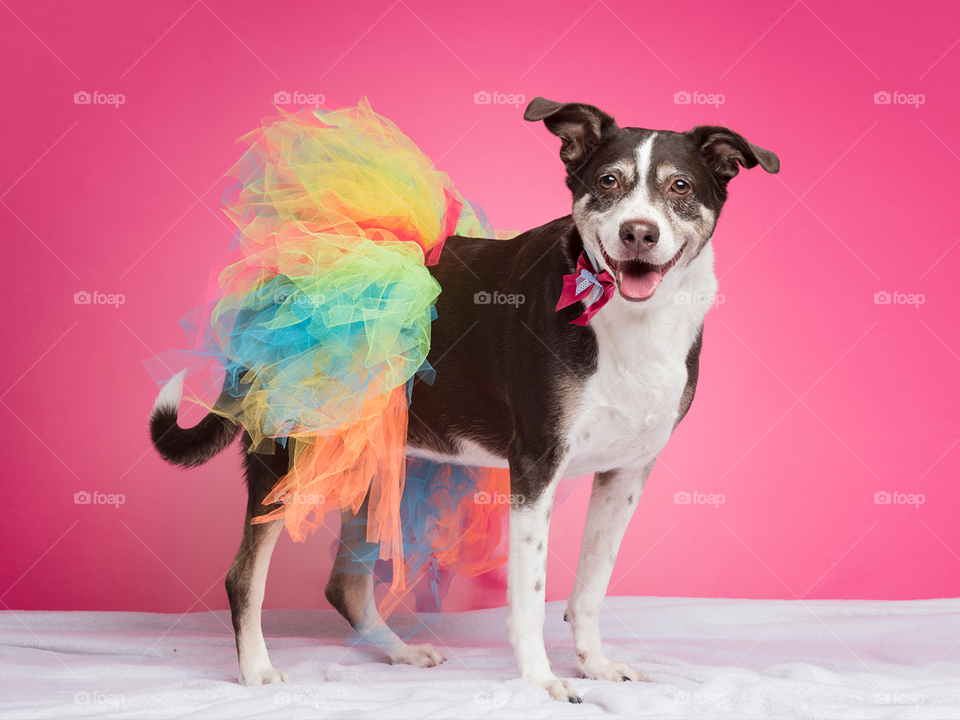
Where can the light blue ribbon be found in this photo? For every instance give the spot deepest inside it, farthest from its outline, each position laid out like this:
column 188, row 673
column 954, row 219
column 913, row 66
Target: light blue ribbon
column 585, row 280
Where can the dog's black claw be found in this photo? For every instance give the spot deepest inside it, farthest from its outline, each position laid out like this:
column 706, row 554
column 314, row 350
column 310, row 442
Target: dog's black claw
column 576, row 701
column 626, row 678
column 566, row 618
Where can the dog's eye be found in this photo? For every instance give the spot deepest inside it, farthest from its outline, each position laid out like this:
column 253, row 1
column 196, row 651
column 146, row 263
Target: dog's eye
column 608, row 182
column 680, row 187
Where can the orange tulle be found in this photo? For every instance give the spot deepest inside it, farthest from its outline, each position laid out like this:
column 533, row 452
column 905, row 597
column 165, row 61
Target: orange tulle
column 342, row 468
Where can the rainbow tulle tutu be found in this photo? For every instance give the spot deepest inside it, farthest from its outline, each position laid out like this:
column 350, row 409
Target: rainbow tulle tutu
column 318, row 322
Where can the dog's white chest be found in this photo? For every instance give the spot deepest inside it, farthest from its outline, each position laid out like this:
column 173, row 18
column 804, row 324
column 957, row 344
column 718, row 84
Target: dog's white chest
column 629, row 407
column 626, row 412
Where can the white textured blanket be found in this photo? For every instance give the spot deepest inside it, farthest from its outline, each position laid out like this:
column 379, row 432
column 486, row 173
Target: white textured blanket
column 703, row 658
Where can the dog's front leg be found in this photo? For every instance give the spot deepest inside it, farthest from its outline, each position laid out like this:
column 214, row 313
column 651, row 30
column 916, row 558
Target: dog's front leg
column 527, row 573
column 612, row 502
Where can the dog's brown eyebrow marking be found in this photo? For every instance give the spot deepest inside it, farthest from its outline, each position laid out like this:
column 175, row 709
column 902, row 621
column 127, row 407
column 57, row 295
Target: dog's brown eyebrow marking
column 665, row 170
column 627, row 169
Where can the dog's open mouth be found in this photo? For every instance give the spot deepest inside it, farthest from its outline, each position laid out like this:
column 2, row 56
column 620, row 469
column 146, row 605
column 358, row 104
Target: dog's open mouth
column 638, row 280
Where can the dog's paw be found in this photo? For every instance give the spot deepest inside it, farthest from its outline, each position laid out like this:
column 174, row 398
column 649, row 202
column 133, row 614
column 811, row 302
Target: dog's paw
column 264, row 676
column 612, row 671
column 418, row 655
column 558, row 689
column 563, row 691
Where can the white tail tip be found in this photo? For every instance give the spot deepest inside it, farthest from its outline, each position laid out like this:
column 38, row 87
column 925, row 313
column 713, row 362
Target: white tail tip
column 170, row 394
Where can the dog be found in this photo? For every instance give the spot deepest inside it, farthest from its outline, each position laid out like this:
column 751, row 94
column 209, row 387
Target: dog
column 545, row 392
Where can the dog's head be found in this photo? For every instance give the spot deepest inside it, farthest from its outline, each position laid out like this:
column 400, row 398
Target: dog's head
column 645, row 201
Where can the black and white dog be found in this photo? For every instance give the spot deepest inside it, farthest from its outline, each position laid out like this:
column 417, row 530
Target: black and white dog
column 523, row 387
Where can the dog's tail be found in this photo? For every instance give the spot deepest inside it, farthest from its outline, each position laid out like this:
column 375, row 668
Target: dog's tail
column 186, row 447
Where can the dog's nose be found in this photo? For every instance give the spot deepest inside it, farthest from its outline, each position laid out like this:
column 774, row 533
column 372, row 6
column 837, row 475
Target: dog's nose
column 639, row 234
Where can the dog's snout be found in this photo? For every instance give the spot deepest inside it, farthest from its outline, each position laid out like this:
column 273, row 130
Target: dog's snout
column 639, row 234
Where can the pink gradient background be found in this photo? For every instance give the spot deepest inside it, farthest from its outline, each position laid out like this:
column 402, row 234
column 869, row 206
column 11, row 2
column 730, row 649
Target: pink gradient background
column 812, row 398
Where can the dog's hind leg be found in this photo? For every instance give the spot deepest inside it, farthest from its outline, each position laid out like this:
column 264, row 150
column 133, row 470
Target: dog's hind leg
column 350, row 591
column 612, row 502
column 247, row 577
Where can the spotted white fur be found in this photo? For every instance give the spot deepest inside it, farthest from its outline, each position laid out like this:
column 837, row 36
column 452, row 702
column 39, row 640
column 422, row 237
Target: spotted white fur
column 526, row 593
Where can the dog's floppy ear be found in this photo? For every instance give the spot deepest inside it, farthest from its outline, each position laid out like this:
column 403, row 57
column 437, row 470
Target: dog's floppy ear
column 581, row 127
column 724, row 151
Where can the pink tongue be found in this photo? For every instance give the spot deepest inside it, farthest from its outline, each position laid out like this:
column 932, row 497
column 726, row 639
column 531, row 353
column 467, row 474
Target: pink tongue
column 640, row 286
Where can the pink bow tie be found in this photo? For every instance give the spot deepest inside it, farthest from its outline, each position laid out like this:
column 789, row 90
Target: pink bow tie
column 587, row 285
